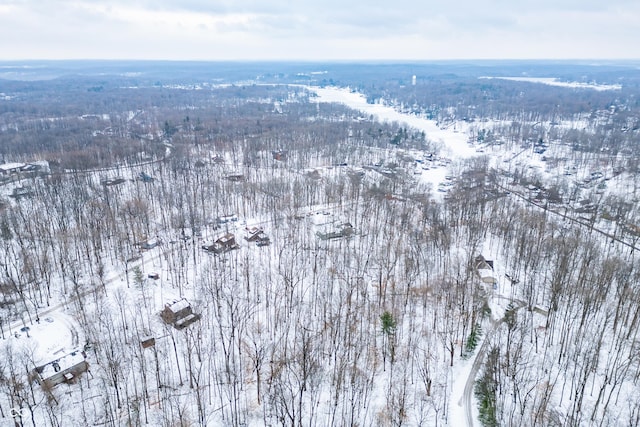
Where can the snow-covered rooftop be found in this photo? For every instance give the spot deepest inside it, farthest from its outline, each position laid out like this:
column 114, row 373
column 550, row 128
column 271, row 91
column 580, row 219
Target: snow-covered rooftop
column 178, row 305
column 11, row 166
column 62, row 364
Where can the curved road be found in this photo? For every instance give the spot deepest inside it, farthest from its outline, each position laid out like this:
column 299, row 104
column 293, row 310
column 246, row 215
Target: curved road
column 477, row 363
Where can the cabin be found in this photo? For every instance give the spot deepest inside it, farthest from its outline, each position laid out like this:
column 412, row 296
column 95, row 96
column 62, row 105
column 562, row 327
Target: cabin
column 66, row 369
column 224, row 243
column 484, row 270
column 179, row 314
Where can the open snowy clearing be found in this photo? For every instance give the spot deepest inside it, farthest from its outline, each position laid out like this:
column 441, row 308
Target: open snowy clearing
column 55, row 335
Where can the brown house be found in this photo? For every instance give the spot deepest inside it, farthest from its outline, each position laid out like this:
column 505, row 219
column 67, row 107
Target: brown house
column 222, row 244
column 179, row 314
column 66, row 369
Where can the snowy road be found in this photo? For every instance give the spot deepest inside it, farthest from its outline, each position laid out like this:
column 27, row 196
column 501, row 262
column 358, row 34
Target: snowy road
column 477, row 363
column 571, row 219
column 471, row 379
column 17, row 324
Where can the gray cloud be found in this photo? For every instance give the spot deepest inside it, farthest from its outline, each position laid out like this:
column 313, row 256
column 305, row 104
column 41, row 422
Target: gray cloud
column 336, row 29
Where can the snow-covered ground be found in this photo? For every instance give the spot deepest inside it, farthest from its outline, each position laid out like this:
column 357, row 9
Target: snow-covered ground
column 552, row 81
column 454, row 141
column 301, row 305
column 49, row 338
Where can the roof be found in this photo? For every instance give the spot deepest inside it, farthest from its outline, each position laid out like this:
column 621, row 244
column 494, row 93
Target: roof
column 11, row 166
column 187, row 320
column 486, row 273
column 225, row 238
column 178, row 305
column 65, row 362
column 253, row 229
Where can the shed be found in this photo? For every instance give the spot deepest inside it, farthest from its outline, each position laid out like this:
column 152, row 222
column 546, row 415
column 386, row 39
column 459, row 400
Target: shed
column 147, row 342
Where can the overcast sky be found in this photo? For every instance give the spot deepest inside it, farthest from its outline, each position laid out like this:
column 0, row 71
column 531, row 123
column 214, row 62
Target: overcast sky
column 319, row 29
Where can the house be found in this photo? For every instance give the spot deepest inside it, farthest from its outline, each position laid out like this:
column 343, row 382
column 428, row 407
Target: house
column 252, row 230
column 280, row 155
column 484, row 269
column 257, row 235
column 222, row 244
column 179, row 314
column 344, row 229
column 11, row 168
column 66, row 369
column 175, row 310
